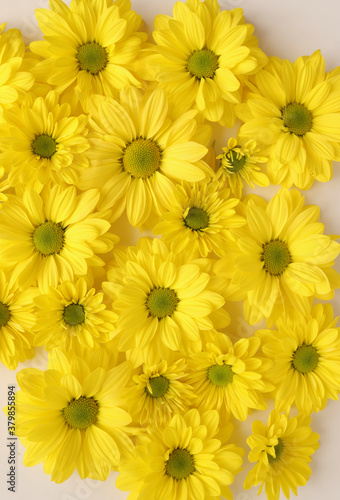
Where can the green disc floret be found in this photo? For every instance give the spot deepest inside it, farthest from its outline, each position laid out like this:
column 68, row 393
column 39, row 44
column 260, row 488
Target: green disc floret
column 297, row 118
column 44, row 146
column 4, row 314
column 220, row 375
column 197, row 219
column 305, row 358
column 180, row 464
column 142, row 158
column 81, row 413
column 48, row 238
column 202, row 64
column 159, row 386
column 92, row 57
column 74, row 314
column 276, row 257
column 161, row 302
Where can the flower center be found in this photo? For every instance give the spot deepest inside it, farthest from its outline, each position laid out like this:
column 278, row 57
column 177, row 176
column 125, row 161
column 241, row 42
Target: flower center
column 235, row 162
column 278, row 450
column 297, row 118
column 48, row 238
column 220, row 375
column 4, row 314
column 162, row 302
column 180, row 464
column 81, row 413
column 305, row 358
column 44, row 146
column 202, row 64
column 159, row 386
column 142, row 158
column 74, row 314
column 92, row 57
column 197, row 219
column 276, row 257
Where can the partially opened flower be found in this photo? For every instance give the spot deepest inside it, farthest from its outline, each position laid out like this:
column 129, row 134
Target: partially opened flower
column 282, row 450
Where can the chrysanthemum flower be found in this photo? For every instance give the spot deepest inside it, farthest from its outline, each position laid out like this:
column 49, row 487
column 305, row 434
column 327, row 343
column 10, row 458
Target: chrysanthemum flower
column 53, row 236
column 282, row 450
column 228, row 377
column 185, row 460
column 305, row 352
column 138, row 154
column 294, row 113
column 89, row 46
column 71, row 314
column 42, row 141
column 70, row 417
column 14, row 83
column 159, row 392
column 284, row 259
column 162, row 300
column 16, row 321
column 200, row 219
column 203, row 56
column 238, row 165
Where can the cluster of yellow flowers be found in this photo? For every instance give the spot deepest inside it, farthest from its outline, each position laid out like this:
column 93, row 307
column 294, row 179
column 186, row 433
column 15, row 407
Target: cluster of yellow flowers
column 146, row 371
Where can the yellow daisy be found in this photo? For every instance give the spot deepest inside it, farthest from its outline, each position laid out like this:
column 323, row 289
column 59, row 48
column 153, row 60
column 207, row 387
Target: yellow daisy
column 204, row 56
column 159, row 392
column 70, row 417
column 16, row 321
column 200, row 219
column 90, row 46
column 53, row 236
column 186, row 459
column 284, row 259
column 305, row 352
column 228, row 377
column 238, row 165
column 138, row 155
column 282, row 450
column 162, row 300
column 42, row 141
column 294, row 114
column 70, row 314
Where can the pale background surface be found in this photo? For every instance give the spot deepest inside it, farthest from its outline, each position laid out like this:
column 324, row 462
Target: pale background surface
column 286, row 29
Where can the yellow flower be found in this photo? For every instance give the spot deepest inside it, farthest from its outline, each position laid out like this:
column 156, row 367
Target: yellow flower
column 138, row 154
column 282, row 450
column 200, row 219
column 238, row 164
column 53, row 236
column 16, row 321
column 184, row 460
column 70, row 417
column 42, row 141
column 284, row 259
column 305, row 352
column 294, row 114
column 70, row 314
column 203, row 57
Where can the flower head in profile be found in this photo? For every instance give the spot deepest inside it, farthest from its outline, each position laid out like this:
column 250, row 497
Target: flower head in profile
column 282, row 450
column 185, row 459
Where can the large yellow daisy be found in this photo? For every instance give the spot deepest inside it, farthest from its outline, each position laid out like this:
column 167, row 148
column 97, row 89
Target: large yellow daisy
column 282, row 450
column 186, row 459
column 294, row 113
column 305, row 352
column 41, row 140
column 138, row 154
column 70, row 417
column 53, row 236
column 203, row 57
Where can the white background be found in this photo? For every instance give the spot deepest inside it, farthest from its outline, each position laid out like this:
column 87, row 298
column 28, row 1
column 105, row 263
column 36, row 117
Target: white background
column 287, row 29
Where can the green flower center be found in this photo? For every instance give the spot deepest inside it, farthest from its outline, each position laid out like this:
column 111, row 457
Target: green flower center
column 276, row 257
column 305, row 358
column 202, row 64
column 197, row 219
column 92, row 57
column 81, row 413
column 142, row 158
column 297, row 118
column 48, row 238
column 180, row 464
column 4, row 314
column 162, row 302
column 74, row 314
column 159, row 386
column 44, row 146
column 220, row 375
column 278, row 450
column 235, row 162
